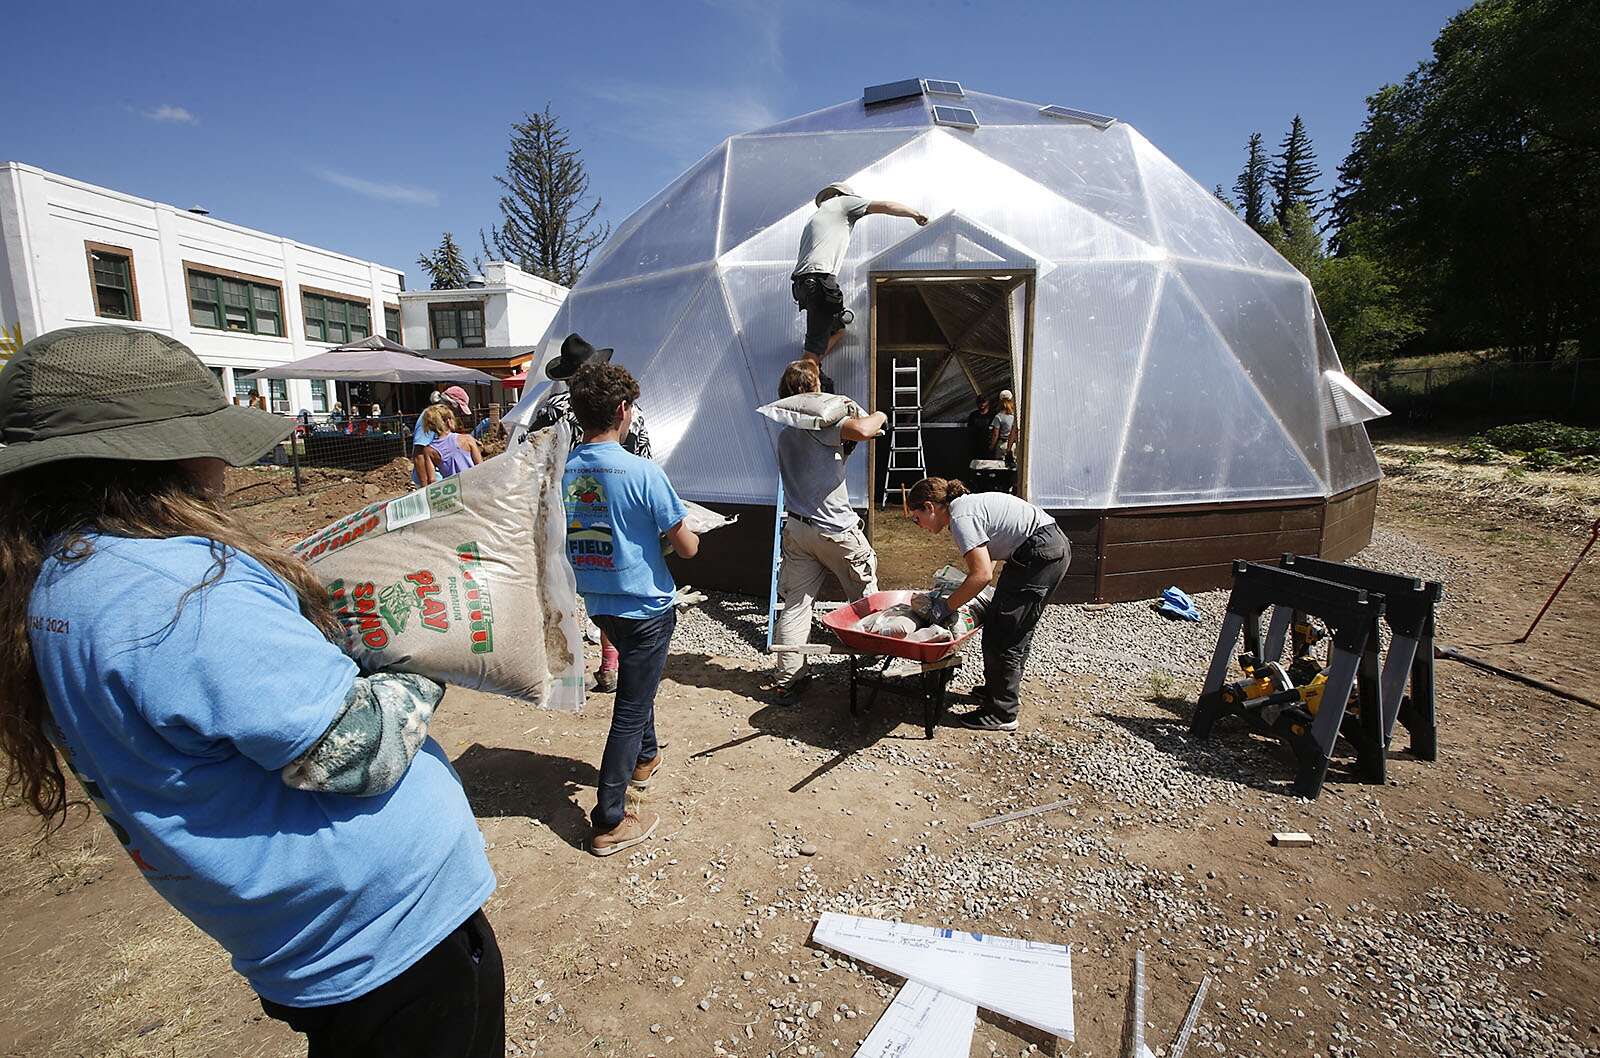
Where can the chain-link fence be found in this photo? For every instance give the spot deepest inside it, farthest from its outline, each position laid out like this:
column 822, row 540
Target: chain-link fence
column 323, row 448
column 1567, row 389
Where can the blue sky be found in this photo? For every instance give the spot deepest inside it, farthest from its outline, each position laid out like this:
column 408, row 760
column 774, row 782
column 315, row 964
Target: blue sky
column 370, row 128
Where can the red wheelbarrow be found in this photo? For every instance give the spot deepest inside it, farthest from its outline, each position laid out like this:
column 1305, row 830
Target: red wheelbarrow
column 936, row 662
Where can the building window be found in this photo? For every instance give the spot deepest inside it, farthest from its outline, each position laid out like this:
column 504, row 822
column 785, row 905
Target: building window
column 243, row 387
column 216, row 373
column 457, row 326
column 111, row 280
column 334, row 319
column 234, row 303
column 319, row 395
column 279, row 390
column 391, row 323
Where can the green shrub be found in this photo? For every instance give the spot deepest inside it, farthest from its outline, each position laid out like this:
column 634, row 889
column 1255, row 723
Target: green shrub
column 1582, row 465
column 1544, row 434
column 1478, row 450
column 1544, row 459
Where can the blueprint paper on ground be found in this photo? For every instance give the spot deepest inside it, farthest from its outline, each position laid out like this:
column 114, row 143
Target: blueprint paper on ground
column 1024, row 980
column 922, row 1022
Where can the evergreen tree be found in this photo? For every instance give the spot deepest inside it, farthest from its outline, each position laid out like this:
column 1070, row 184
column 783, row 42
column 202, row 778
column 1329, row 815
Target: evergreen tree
column 1297, row 240
column 1294, row 174
column 1222, row 196
column 547, row 222
column 1251, row 187
column 446, row 268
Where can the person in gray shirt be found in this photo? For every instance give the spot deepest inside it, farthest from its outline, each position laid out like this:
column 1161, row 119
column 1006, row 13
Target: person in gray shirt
column 821, row 533
column 823, row 245
column 989, row 528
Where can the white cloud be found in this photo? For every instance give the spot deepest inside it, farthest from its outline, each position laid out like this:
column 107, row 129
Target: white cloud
column 401, row 194
column 689, row 120
column 173, row 114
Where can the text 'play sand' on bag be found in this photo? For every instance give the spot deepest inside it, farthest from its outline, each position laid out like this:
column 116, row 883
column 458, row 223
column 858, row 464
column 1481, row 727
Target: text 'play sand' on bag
column 465, row 581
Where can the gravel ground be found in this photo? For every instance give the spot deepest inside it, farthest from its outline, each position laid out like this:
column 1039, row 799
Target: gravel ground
column 1071, row 640
column 1429, row 970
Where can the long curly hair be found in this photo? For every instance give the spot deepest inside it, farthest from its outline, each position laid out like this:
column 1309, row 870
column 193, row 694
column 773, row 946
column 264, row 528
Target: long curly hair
column 56, row 511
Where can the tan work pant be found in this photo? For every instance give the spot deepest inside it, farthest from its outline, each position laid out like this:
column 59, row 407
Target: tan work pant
column 809, row 555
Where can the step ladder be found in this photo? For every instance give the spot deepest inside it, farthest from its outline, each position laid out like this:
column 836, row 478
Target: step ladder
column 907, row 466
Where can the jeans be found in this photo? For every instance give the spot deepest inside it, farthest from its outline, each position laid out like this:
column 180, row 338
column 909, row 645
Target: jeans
column 641, row 657
column 449, row 1004
column 1031, row 575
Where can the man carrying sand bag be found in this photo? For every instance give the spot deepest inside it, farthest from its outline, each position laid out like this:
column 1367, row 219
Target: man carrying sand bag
column 822, row 533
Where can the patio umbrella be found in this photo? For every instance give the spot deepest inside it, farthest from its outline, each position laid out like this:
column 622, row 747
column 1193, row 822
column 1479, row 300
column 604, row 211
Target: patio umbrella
column 516, row 381
column 375, row 359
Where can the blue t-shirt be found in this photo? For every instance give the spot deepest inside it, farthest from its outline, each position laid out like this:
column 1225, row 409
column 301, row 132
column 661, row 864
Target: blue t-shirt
column 178, row 732
column 618, row 505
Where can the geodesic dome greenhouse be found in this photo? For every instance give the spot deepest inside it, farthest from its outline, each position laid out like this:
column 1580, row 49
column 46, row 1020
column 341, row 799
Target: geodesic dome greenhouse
column 1164, row 354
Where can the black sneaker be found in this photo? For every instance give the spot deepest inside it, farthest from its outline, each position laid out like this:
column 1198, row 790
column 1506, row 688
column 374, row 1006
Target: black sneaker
column 984, row 720
column 788, row 692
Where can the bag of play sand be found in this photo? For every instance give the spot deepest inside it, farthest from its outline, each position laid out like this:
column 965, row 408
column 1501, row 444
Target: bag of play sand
column 812, row 411
column 465, row 581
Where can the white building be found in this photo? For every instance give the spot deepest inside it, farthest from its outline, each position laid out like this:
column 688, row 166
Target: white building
column 72, row 253
column 494, row 326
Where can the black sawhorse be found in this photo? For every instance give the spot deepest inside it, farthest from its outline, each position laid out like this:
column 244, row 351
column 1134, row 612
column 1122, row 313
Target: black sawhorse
column 1408, row 610
column 1351, row 616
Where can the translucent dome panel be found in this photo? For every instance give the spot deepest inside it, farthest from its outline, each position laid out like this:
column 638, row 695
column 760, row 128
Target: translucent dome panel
column 1351, row 461
column 904, row 113
column 1090, row 323
column 997, row 110
column 938, row 173
column 701, row 408
column 1199, row 431
column 1265, row 321
column 951, row 242
column 773, row 333
column 634, row 317
column 1093, row 168
column 679, row 227
column 1190, row 222
column 770, row 177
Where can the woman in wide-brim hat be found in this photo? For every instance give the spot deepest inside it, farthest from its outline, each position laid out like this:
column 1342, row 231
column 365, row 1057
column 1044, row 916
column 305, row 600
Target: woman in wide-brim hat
column 187, row 674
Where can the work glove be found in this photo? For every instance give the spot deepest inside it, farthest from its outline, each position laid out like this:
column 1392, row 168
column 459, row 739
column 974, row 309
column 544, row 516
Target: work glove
column 939, row 612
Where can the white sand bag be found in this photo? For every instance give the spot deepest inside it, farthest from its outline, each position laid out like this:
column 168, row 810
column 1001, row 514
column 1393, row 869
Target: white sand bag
column 812, row 411
column 465, row 581
column 704, row 519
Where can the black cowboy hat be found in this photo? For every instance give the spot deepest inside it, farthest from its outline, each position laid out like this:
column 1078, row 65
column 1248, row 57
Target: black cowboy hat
column 111, row 392
column 575, row 352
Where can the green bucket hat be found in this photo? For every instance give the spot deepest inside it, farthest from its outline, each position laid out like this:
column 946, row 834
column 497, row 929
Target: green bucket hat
column 121, row 393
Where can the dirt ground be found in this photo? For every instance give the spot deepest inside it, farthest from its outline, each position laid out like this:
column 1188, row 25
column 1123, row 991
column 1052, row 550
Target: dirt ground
column 1455, row 911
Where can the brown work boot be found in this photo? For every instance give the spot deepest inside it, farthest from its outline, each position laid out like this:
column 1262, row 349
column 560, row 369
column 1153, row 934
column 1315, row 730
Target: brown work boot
column 633, row 829
column 646, row 771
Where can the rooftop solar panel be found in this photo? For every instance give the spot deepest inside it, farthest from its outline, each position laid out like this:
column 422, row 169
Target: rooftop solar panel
column 1099, row 121
column 887, row 93
column 944, row 88
column 961, row 117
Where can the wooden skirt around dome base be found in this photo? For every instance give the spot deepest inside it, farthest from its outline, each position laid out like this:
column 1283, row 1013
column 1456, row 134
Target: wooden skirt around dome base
column 1117, row 555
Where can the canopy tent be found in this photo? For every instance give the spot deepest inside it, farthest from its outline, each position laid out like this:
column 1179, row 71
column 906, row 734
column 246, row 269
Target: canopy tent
column 1176, row 358
column 375, row 359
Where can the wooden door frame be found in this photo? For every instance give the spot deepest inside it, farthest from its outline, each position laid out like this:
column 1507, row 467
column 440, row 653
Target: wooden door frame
column 1028, row 279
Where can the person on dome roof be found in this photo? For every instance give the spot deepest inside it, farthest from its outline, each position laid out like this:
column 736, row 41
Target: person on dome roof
column 823, row 245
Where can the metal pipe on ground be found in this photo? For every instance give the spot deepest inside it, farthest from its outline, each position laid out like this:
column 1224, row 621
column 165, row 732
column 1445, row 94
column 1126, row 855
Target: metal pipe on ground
column 1451, row 654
